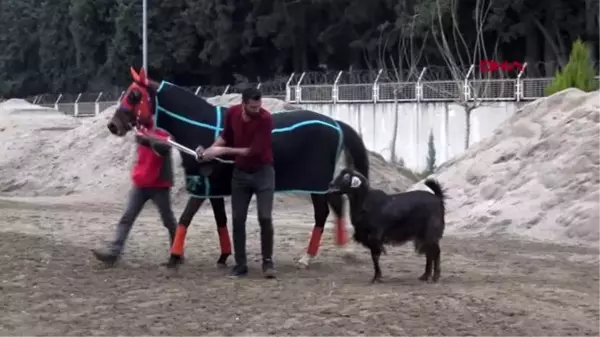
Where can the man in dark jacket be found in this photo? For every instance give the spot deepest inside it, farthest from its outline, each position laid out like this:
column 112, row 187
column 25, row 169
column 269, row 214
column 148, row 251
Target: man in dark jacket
column 247, row 135
column 152, row 177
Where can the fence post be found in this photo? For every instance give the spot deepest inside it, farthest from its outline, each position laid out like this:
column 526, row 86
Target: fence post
column 97, row 105
column 419, row 87
column 226, row 90
column 466, row 88
column 197, row 90
column 56, row 102
column 299, row 89
column 334, row 90
column 376, row 86
column 519, row 85
column 76, row 106
column 35, row 99
column 288, row 90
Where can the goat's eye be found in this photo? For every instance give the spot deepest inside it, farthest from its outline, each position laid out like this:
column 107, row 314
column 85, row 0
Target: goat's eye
column 134, row 97
column 346, row 177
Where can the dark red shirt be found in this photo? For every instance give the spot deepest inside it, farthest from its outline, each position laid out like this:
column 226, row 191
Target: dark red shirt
column 254, row 134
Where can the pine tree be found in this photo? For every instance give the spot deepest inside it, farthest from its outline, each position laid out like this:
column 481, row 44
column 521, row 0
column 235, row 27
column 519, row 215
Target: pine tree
column 578, row 73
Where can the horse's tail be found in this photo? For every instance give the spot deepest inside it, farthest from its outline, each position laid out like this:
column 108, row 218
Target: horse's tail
column 354, row 149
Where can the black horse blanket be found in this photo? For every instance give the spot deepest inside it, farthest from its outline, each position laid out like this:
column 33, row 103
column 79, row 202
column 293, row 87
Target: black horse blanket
column 306, row 144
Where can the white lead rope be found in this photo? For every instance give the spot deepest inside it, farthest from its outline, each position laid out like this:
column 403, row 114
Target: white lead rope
column 182, row 148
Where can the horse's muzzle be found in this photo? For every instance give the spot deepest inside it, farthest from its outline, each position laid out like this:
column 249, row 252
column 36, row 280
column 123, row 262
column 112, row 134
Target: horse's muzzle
column 118, row 125
column 112, row 127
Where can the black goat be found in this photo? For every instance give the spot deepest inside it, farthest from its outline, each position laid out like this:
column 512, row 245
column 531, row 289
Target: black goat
column 379, row 218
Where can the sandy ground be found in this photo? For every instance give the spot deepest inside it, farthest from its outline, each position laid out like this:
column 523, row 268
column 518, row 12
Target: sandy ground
column 62, row 182
column 51, row 284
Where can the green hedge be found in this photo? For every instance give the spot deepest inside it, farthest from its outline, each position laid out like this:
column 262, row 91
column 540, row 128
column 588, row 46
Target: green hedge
column 578, row 73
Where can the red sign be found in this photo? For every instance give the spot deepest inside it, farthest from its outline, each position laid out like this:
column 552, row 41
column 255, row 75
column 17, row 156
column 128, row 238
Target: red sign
column 486, row 66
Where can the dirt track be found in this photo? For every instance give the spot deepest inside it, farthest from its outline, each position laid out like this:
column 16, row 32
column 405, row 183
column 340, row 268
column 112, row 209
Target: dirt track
column 51, row 285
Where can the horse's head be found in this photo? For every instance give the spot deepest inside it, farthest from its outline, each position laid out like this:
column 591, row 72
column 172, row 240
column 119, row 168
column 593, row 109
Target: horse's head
column 136, row 107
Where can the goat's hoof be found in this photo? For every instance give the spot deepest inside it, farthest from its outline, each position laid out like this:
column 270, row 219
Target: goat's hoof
column 304, row 261
column 222, row 261
column 424, row 277
column 377, row 279
column 435, row 278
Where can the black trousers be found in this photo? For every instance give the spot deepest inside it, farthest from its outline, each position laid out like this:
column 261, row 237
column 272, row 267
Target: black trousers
column 243, row 185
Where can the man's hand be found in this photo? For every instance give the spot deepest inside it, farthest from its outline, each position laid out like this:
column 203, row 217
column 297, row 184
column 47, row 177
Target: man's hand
column 212, row 152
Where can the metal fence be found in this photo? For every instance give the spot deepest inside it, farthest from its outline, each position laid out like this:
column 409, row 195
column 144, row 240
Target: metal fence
column 340, row 87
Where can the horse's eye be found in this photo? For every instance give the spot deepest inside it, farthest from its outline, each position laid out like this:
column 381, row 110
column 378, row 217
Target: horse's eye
column 134, row 97
column 346, row 177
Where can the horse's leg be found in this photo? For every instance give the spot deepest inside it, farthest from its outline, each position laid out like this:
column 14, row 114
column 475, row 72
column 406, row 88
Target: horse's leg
column 218, row 206
column 321, row 210
column 191, row 208
column 336, row 202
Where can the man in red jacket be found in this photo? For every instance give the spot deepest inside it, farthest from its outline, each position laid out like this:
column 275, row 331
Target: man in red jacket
column 247, row 135
column 152, row 177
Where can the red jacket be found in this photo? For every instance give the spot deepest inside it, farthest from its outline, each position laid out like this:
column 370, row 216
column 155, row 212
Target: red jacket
column 153, row 167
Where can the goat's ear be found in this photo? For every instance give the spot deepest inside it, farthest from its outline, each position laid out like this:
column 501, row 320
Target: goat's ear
column 355, row 182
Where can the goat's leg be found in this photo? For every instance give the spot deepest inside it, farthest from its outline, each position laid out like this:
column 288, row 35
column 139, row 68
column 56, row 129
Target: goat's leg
column 437, row 270
column 191, row 208
column 218, row 207
column 429, row 258
column 375, row 255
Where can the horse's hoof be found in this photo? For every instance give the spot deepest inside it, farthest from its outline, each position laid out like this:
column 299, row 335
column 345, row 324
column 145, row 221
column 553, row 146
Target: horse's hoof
column 222, row 261
column 435, row 278
column 174, row 261
column 304, row 261
column 424, row 277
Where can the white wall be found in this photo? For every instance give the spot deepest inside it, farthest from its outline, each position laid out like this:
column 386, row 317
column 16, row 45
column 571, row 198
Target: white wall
column 375, row 122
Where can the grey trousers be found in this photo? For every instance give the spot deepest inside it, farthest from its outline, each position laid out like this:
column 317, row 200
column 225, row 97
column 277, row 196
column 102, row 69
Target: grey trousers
column 243, row 186
column 137, row 199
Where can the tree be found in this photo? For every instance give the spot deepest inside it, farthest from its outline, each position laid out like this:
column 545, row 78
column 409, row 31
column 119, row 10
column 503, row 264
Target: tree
column 81, row 45
column 402, row 71
column 578, row 73
column 430, row 168
column 461, row 53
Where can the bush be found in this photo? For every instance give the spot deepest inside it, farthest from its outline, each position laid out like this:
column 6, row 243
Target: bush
column 578, row 73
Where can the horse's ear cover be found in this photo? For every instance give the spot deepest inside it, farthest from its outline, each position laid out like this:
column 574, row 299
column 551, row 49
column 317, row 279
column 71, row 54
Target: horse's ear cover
column 139, row 78
column 143, row 78
column 134, row 75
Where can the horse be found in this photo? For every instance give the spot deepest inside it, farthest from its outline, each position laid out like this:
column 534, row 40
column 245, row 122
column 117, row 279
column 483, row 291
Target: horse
column 306, row 148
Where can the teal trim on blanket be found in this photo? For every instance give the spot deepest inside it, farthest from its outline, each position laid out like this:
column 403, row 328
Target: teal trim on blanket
column 217, row 128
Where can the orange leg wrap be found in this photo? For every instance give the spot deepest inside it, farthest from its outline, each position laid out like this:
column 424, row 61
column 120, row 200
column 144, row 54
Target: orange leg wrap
column 178, row 242
column 341, row 235
column 315, row 241
column 224, row 240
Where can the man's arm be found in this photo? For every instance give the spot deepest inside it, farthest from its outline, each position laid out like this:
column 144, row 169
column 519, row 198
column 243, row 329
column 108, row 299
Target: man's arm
column 160, row 148
column 219, row 142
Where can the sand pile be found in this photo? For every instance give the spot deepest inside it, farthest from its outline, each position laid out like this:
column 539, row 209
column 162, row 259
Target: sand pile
column 26, row 129
column 537, row 176
column 85, row 158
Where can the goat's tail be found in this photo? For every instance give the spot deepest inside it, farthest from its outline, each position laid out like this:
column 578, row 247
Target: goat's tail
column 437, row 189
